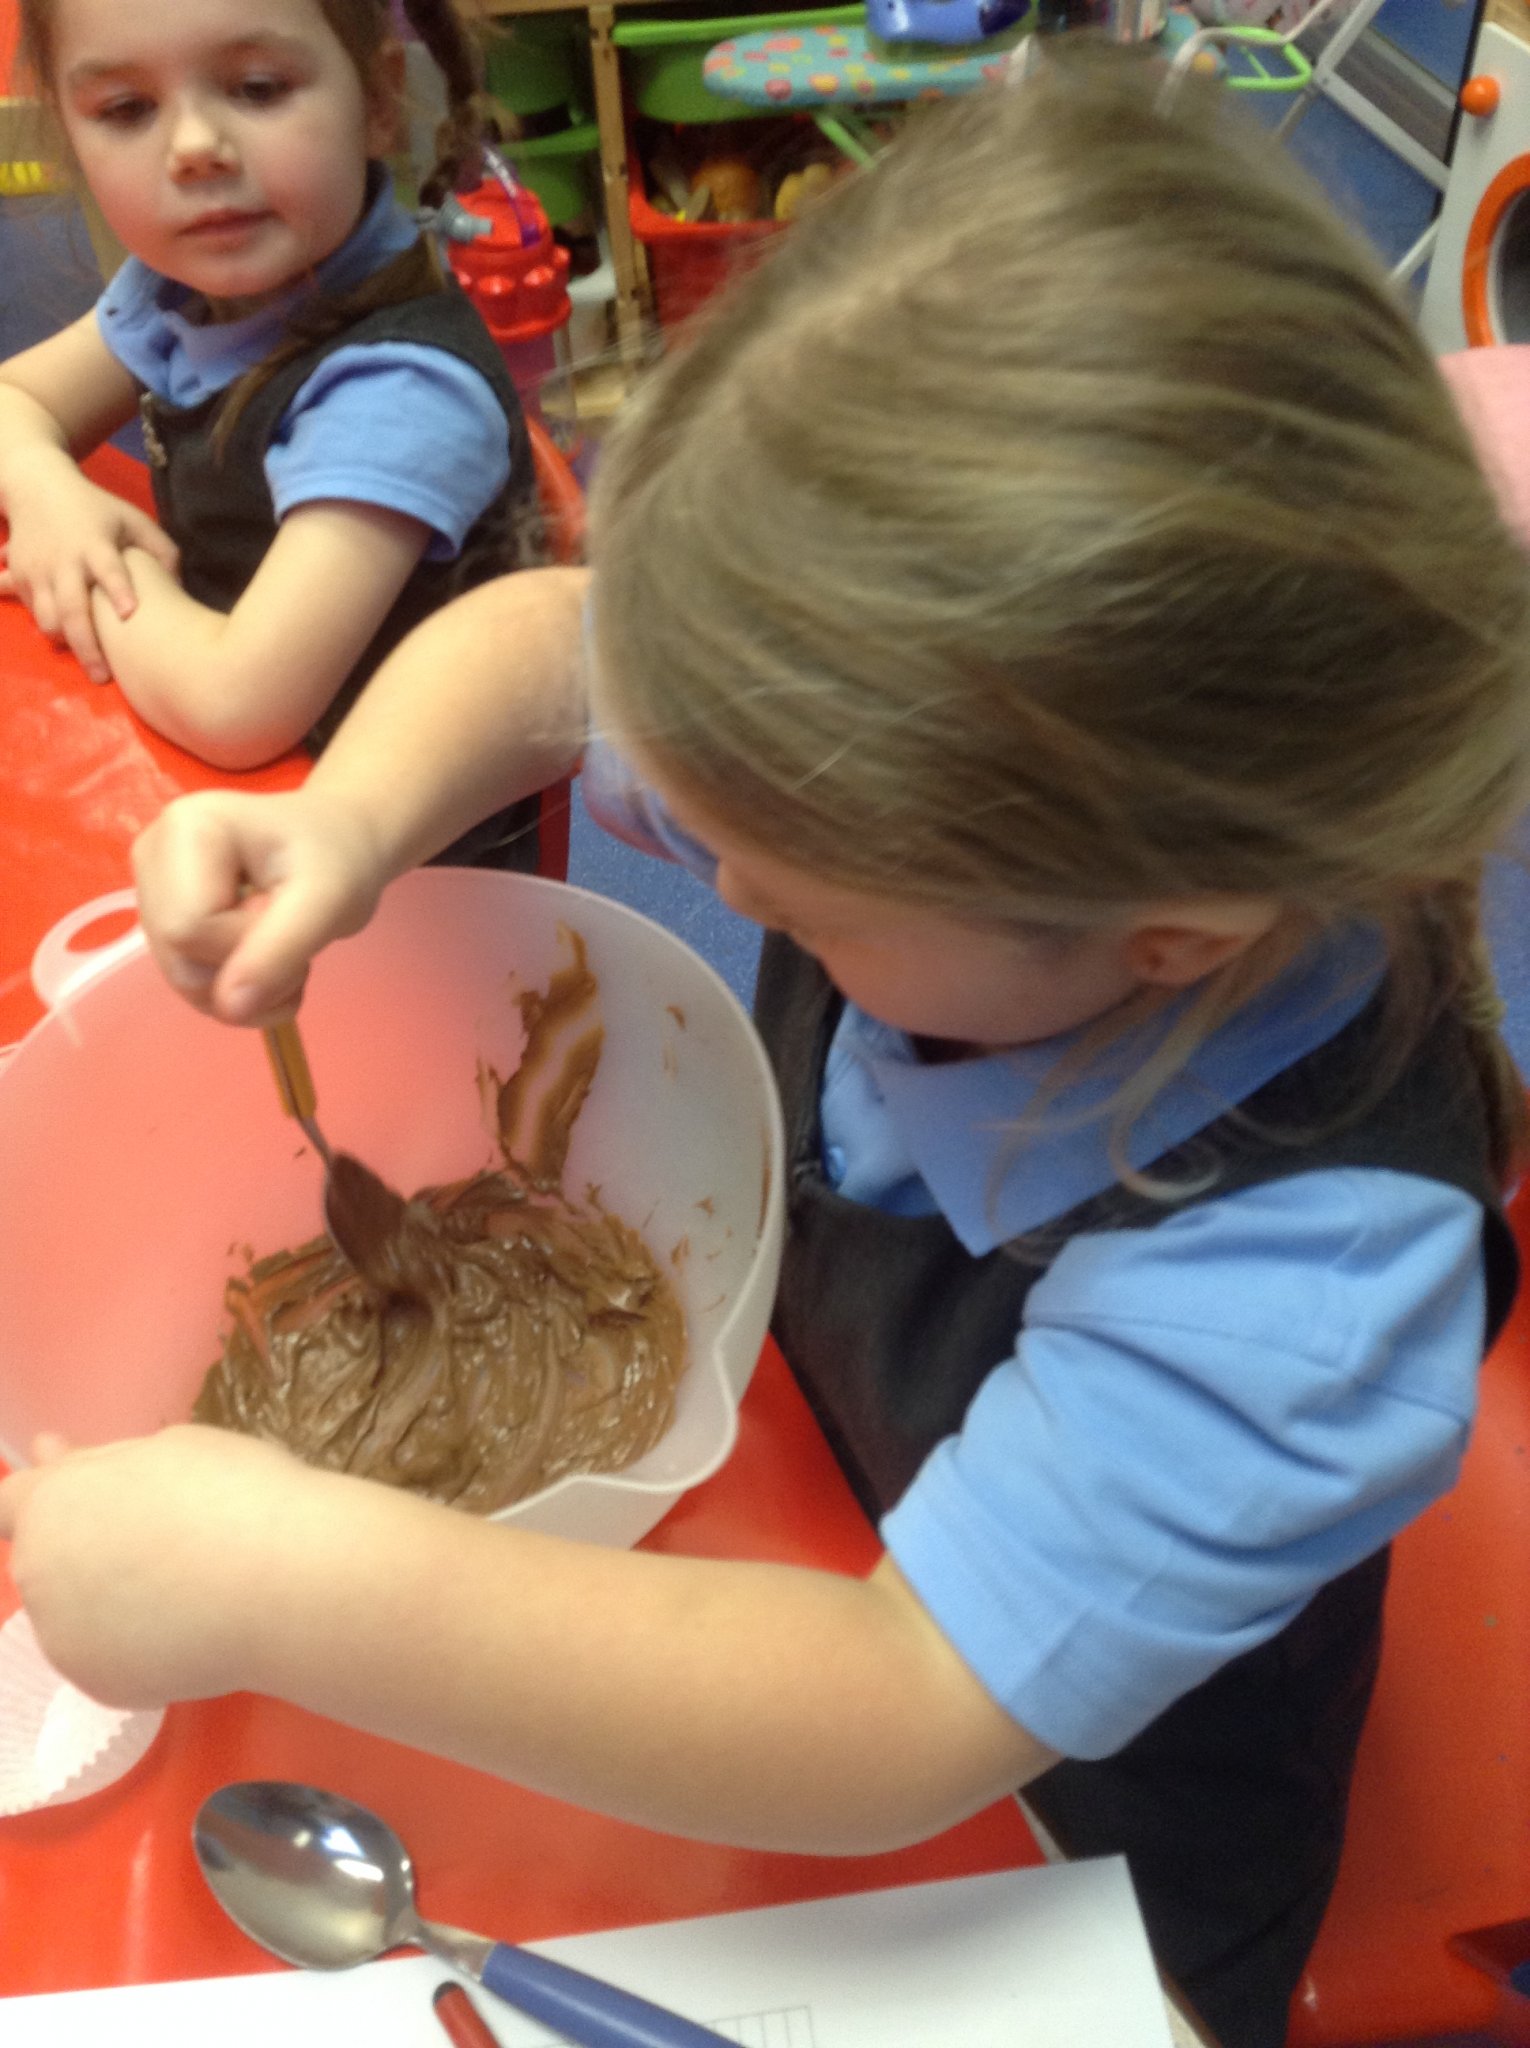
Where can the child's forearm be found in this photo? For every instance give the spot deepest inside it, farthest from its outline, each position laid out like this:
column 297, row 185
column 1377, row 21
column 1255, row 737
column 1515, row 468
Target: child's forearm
column 34, row 449
column 478, row 706
column 760, row 1704
column 220, row 684
column 169, row 658
column 482, row 704
column 757, row 1704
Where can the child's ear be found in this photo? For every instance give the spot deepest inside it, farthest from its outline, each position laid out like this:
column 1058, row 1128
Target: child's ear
column 1184, row 943
column 385, row 99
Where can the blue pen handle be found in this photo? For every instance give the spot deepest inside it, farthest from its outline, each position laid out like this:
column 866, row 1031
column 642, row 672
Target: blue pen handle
column 586, row 2011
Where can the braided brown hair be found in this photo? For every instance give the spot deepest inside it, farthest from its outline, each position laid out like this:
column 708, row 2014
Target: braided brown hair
column 470, row 113
column 363, row 26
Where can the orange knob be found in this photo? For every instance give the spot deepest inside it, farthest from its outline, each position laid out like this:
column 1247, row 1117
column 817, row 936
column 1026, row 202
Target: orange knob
column 1481, row 95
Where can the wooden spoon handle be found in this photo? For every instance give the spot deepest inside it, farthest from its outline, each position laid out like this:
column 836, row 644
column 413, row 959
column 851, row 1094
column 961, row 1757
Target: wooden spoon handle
column 289, row 1063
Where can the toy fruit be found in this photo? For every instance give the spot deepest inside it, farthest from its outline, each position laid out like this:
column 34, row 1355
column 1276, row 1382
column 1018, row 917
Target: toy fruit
column 797, row 188
column 734, row 184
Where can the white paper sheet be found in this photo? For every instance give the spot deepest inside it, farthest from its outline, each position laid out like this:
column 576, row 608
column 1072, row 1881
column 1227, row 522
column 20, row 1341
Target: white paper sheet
column 1048, row 1958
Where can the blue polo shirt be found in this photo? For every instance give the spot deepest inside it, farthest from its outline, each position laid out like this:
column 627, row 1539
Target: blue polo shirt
column 398, row 424
column 1200, row 1424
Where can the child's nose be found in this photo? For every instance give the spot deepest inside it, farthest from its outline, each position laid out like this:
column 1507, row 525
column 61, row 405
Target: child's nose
column 199, row 147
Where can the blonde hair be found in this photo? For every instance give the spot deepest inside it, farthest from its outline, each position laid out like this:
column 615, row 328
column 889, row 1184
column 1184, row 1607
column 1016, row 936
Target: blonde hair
column 1065, row 517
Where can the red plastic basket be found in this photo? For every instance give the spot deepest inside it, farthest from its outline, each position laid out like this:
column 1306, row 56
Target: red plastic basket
column 688, row 260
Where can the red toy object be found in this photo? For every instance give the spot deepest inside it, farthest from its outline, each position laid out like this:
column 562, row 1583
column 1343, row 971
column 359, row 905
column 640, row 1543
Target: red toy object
column 688, row 260
column 517, row 277
column 464, row 2025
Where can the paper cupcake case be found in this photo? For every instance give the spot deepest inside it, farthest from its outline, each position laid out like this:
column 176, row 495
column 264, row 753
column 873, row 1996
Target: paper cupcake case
column 56, row 1743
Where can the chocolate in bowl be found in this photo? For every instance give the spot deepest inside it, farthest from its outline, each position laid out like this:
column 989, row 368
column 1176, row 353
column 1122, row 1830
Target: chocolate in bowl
column 502, row 1338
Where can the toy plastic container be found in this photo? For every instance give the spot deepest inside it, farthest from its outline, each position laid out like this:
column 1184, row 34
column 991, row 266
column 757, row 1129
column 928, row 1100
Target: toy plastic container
column 143, row 1154
column 689, row 260
column 517, row 277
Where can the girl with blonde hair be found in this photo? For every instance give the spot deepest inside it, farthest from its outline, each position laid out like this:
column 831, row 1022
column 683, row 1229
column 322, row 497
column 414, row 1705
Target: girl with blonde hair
column 1054, row 595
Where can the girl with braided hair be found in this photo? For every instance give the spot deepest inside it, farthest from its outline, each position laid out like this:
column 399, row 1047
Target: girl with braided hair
column 335, row 444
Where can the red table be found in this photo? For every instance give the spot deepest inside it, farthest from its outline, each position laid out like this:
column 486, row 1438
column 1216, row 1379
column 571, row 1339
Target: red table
column 106, row 1891
column 80, row 776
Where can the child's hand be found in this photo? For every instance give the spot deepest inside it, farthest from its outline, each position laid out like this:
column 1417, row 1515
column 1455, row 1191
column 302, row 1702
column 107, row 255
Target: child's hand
column 237, row 893
column 141, row 1563
column 67, row 538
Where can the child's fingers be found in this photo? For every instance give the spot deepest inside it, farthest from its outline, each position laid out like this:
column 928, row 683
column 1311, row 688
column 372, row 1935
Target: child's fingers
column 155, row 541
column 259, row 982
column 44, row 610
column 13, row 1499
column 14, row 582
column 249, row 888
column 195, row 895
column 110, row 572
column 78, row 628
column 191, row 956
column 262, row 979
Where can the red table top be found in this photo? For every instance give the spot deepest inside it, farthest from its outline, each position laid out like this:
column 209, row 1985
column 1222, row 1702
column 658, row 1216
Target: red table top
column 80, row 776
column 105, row 1891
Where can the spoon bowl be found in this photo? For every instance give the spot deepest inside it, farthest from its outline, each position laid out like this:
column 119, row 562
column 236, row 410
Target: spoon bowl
column 301, row 1878
column 324, row 1883
column 376, row 1230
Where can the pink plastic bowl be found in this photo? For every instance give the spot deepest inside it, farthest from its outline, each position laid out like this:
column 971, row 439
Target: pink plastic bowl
column 143, row 1152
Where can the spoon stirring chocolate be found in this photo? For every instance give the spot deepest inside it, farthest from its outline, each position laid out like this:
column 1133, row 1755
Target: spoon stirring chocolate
column 386, row 1239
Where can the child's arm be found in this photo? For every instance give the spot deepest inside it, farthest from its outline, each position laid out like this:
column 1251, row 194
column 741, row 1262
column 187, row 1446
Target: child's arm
column 481, row 704
column 239, row 688
column 67, row 537
column 760, row 1704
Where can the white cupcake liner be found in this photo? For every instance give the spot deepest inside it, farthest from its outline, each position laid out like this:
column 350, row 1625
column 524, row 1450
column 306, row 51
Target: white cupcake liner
column 56, row 1743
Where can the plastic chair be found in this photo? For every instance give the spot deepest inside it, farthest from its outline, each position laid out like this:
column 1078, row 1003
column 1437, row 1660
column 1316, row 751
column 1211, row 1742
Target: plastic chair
column 1439, row 1834
column 559, row 490
column 563, row 511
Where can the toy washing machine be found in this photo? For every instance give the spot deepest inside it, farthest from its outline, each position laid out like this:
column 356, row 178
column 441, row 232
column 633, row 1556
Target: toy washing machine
column 1478, row 289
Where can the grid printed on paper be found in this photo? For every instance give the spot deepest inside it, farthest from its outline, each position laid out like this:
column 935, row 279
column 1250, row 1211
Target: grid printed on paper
column 792, row 2027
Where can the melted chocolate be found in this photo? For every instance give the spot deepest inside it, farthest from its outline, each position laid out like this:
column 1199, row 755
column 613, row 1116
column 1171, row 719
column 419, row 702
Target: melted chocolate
column 501, row 1336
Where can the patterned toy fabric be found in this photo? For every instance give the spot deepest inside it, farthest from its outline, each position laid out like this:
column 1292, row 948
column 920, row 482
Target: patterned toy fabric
column 824, row 67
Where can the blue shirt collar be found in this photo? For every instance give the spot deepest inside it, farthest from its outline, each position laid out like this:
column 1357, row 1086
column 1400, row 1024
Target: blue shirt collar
column 956, row 1121
column 952, row 1126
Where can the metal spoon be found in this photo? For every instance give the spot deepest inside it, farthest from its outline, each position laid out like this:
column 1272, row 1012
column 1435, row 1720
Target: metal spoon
column 322, row 1882
column 370, row 1223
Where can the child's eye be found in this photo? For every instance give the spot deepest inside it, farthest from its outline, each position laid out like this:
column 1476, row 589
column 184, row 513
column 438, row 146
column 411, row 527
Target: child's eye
column 128, row 110
column 261, row 89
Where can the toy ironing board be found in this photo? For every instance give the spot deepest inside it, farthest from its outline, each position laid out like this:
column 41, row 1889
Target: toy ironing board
column 815, row 68
column 844, row 67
